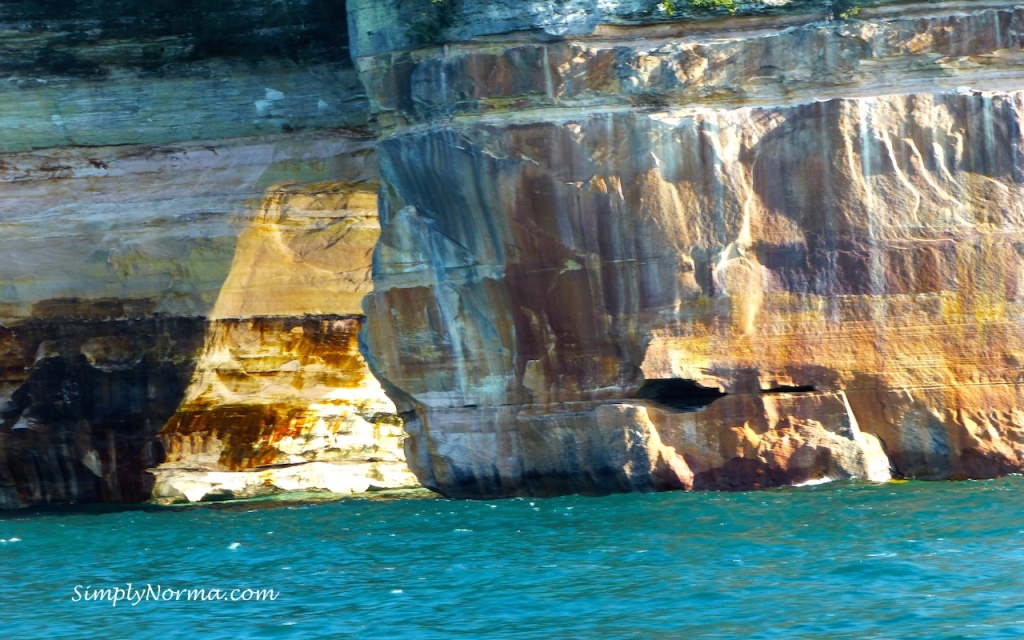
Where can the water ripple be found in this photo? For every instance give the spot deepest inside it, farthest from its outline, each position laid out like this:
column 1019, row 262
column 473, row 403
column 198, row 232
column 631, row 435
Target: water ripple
column 839, row 560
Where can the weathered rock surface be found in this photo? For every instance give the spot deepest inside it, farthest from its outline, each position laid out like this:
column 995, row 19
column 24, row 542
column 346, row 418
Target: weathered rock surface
column 587, row 239
column 281, row 394
column 138, row 240
column 108, row 72
column 287, row 404
column 150, row 228
column 619, row 250
column 82, row 402
column 139, row 141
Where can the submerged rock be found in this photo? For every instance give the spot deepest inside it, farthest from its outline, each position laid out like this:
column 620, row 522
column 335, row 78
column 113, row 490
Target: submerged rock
column 821, row 222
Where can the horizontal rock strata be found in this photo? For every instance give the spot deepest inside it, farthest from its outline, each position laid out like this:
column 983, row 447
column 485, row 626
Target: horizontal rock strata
column 722, row 254
column 140, row 141
column 106, row 72
column 287, row 404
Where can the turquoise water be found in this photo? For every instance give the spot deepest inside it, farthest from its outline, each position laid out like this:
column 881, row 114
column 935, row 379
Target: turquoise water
column 915, row 560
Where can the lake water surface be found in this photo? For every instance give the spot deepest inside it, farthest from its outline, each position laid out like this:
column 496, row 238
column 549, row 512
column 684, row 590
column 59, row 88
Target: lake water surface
column 913, row 560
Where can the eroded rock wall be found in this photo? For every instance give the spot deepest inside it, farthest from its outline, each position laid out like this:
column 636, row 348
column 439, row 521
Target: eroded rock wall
column 281, row 399
column 822, row 220
column 138, row 142
column 84, row 399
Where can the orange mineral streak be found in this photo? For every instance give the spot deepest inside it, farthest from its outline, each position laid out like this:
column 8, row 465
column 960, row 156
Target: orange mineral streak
column 257, row 381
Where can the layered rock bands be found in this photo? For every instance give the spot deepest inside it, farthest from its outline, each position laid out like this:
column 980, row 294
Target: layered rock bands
column 187, row 213
column 723, row 254
column 622, row 248
column 281, row 399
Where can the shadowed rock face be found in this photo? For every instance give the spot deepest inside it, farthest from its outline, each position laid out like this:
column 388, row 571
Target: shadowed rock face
column 106, row 72
column 84, row 400
column 831, row 211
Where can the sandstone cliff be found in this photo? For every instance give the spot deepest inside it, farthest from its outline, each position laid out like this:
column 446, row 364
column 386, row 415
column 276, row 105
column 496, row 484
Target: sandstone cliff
column 622, row 247
column 140, row 141
column 622, row 252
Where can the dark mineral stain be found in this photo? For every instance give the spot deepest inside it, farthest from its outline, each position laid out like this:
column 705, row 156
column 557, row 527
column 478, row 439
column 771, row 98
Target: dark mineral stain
column 89, row 396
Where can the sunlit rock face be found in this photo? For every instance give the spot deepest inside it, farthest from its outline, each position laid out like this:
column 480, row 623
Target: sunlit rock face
column 722, row 254
column 281, row 404
column 281, row 399
column 138, row 142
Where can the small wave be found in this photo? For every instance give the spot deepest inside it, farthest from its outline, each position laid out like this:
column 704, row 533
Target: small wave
column 234, row 545
column 814, row 482
column 3, row 541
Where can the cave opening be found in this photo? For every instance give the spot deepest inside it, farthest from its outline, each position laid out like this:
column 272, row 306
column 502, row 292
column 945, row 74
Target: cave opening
column 679, row 394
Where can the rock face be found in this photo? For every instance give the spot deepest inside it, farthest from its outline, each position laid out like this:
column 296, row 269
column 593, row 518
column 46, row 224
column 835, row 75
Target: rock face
column 620, row 248
column 84, row 400
column 139, row 141
column 719, row 254
column 281, row 399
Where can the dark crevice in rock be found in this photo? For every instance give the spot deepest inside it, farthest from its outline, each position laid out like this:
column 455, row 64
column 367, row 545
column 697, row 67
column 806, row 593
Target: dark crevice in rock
column 679, row 394
column 785, row 388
